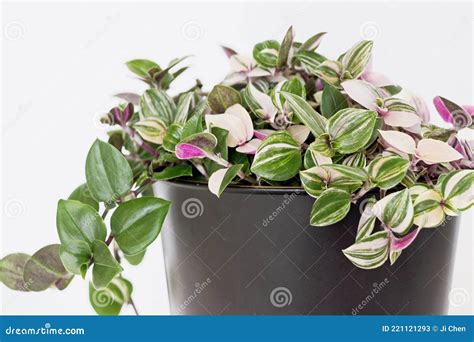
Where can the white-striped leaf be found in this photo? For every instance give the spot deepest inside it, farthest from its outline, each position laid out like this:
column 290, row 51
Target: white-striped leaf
column 278, row 157
column 386, row 172
column 457, row 189
column 369, row 252
column 294, row 86
column 220, row 179
column 356, row 160
column 396, row 211
column 357, row 58
column 312, row 119
column 285, row 48
column 367, row 220
column 157, row 103
column 312, row 43
column 313, row 158
column 417, row 189
column 151, row 129
column 266, row 53
column 330, row 72
column 184, row 105
column 428, row 210
column 331, row 207
column 310, row 60
column 319, row 178
column 350, row 129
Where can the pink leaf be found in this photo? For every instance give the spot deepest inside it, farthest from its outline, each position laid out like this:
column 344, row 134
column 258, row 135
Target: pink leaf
column 398, row 244
column 401, row 119
column 188, row 151
column 433, row 151
column 362, row 92
column 442, row 109
column 398, row 140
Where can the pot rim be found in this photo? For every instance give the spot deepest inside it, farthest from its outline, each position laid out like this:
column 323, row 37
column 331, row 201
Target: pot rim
column 248, row 189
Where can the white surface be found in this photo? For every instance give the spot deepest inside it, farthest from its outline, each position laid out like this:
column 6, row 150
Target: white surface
column 62, row 62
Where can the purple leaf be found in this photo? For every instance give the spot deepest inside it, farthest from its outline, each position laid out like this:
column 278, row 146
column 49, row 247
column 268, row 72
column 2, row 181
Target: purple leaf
column 398, row 244
column 188, row 151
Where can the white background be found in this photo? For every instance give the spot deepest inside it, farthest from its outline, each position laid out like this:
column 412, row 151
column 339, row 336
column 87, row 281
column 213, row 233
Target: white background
column 61, row 64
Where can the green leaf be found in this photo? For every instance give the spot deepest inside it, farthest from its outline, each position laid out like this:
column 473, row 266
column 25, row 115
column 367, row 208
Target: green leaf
column 294, row 86
column 222, row 97
column 135, row 259
column 45, row 269
column 172, row 172
column 278, row 157
column 75, row 256
column 108, row 173
column 329, row 71
column 11, row 271
column 109, row 300
column 220, row 179
column 428, row 211
column 312, row 43
column 370, row 252
column 172, row 137
column 331, row 207
column 285, row 48
column 142, row 67
column 429, row 131
column 77, row 221
column 220, row 149
column 387, row 172
column 350, row 129
column 136, row 224
column 157, row 103
column 357, row 58
column 265, row 53
column 396, row 211
column 193, row 126
column 105, row 266
column 82, row 194
column 332, row 101
column 313, row 120
column 183, row 108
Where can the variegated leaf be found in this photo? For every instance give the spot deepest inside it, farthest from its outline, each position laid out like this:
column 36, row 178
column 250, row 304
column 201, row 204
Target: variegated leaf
column 330, row 207
column 428, row 210
column 220, row 179
column 369, row 252
column 157, row 103
column 285, row 48
column 313, row 158
column 457, row 189
column 387, row 172
column 151, row 129
column 367, row 220
column 222, row 97
column 312, row 43
column 330, row 72
column 184, row 105
column 396, row 211
column 278, row 157
column 198, row 145
column 266, row 53
column 312, row 119
column 356, row 160
column 316, row 179
column 351, row 129
column 357, row 58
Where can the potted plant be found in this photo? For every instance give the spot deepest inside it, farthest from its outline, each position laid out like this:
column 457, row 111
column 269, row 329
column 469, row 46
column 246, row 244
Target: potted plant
column 329, row 191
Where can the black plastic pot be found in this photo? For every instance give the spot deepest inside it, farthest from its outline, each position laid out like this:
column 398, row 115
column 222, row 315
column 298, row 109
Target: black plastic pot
column 253, row 252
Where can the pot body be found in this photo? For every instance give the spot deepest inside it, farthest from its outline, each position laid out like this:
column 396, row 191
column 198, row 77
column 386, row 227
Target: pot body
column 252, row 251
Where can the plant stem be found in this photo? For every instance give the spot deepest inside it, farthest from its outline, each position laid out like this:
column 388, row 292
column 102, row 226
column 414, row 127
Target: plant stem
column 132, row 303
column 109, row 240
column 139, row 141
